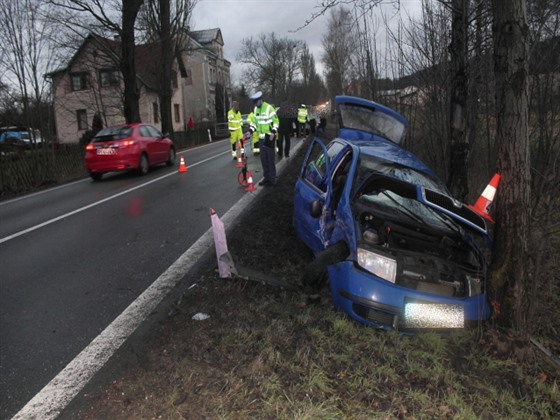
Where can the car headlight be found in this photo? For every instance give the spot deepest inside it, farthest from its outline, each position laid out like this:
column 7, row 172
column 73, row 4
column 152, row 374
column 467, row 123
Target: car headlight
column 381, row 266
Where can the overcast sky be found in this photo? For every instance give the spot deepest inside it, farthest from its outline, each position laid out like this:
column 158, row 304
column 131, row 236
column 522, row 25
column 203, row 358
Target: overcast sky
column 240, row 19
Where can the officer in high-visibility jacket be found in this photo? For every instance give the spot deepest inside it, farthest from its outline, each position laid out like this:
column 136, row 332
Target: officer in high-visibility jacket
column 235, row 126
column 302, row 118
column 265, row 122
column 254, row 137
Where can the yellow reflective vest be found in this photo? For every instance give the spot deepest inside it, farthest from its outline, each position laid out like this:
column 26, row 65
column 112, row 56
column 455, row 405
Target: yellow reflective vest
column 234, row 119
column 302, row 115
column 264, row 120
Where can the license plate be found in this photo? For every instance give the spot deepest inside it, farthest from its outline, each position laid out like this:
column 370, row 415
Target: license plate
column 425, row 315
column 106, row 151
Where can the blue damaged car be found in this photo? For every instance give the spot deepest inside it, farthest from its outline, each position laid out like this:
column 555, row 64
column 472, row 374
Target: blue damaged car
column 398, row 251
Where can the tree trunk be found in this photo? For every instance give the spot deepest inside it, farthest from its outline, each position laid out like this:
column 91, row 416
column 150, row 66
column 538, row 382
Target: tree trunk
column 128, row 65
column 167, row 50
column 459, row 151
column 511, row 268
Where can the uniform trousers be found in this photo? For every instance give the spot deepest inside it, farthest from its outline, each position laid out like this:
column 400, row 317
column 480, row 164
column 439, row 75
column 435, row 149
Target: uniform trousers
column 268, row 161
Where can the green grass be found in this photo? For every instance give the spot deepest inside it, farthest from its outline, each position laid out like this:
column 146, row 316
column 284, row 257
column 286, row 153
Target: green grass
column 261, row 364
column 271, row 354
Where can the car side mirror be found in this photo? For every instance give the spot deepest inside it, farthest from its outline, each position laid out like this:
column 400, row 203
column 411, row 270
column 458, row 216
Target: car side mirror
column 316, row 208
column 165, row 135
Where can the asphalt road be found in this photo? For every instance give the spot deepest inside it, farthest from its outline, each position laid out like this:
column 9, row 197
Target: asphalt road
column 74, row 257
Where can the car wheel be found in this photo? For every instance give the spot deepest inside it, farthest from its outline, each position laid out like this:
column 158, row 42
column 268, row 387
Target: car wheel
column 315, row 275
column 172, row 157
column 96, row 176
column 143, row 166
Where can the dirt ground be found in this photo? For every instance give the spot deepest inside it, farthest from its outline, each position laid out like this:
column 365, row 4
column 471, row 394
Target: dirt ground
column 157, row 386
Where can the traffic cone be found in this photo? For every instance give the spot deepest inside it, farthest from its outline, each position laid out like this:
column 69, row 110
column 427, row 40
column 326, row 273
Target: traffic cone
column 483, row 203
column 182, row 166
column 250, row 185
column 239, row 157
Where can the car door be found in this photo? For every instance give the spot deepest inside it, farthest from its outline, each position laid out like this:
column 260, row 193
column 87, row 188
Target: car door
column 157, row 149
column 313, row 213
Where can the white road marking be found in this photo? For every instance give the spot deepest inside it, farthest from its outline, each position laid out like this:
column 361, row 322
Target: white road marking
column 89, row 206
column 58, row 393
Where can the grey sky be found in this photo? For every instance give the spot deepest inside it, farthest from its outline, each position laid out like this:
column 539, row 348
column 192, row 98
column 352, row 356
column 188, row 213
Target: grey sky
column 240, row 19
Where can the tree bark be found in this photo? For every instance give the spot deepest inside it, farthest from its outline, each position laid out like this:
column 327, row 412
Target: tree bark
column 167, row 54
column 128, row 65
column 511, row 268
column 459, row 150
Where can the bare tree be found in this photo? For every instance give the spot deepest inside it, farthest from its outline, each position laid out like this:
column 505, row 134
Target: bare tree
column 511, row 266
column 312, row 89
column 338, row 45
column 272, row 63
column 100, row 18
column 167, row 22
column 459, row 145
column 544, row 136
column 26, row 55
column 417, row 56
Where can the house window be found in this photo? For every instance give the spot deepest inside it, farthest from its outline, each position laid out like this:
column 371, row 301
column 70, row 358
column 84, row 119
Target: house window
column 174, row 80
column 176, row 110
column 81, row 116
column 156, row 112
column 108, row 77
column 79, row 81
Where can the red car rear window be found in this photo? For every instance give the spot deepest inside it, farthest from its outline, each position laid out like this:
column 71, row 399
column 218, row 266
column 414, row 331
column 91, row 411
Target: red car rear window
column 113, row 133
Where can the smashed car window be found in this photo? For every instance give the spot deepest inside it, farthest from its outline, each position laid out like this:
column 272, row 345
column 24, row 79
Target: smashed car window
column 372, row 121
column 316, row 167
column 369, row 164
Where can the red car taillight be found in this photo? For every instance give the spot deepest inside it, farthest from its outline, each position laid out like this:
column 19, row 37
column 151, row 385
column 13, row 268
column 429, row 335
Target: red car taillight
column 127, row 143
column 89, row 147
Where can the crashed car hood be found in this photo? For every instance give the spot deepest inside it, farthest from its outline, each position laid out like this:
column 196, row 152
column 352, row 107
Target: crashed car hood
column 438, row 201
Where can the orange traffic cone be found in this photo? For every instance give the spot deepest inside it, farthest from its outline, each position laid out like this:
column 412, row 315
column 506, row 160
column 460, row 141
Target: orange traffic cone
column 239, row 157
column 250, row 185
column 182, row 166
column 483, row 203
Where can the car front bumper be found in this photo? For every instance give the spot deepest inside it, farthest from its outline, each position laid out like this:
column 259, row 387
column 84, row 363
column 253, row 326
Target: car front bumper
column 381, row 304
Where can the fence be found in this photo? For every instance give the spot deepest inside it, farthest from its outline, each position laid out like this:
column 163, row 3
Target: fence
column 26, row 170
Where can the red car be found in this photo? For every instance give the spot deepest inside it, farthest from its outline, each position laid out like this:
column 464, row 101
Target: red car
column 128, row 147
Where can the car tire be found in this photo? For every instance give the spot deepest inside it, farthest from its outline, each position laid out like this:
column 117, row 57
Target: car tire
column 143, row 166
column 172, row 157
column 315, row 275
column 96, row 176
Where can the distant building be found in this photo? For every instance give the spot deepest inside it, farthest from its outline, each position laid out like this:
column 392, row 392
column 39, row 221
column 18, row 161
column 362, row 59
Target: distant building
column 92, row 84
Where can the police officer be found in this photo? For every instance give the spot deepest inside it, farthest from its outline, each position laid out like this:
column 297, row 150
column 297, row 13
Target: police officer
column 265, row 122
column 302, row 117
column 235, row 126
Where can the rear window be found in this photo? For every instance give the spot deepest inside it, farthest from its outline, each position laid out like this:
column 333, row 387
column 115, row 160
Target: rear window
column 374, row 121
column 113, row 133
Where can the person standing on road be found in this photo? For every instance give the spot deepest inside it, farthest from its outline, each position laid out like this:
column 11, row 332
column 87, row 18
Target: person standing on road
column 265, row 122
column 284, row 131
column 253, row 138
column 302, row 117
column 235, row 126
